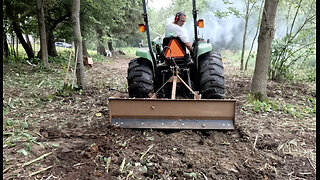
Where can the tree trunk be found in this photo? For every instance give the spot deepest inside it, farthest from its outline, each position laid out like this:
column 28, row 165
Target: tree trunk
column 78, row 43
column 110, row 46
column 260, row 77
column 52, row 51
column 254, row 39
column 42, row 30
column 25, row 45
column 12, row 46
column 17, row 46
column 34, row 45
column 6, row 50
column 244, row 34
column 51, row 24
column 84, row 48
column 28, row 41
column 100, row 47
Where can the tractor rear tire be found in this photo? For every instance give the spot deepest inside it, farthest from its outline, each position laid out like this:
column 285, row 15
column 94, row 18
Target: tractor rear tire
column 211, row 73
column 140, row 78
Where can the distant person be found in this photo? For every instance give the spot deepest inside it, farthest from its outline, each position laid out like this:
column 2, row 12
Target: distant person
column 175, row 29
column 141, row 44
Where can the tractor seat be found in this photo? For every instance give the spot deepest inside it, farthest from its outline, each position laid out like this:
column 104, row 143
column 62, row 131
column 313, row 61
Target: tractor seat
column 178, row 48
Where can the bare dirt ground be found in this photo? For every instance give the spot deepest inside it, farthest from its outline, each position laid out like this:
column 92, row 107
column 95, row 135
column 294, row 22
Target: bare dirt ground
column 75, row 130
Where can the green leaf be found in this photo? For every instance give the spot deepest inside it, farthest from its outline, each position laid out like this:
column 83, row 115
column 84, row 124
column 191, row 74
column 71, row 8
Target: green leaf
column 25, row 125
column 137, row 164
column 55, row 145
column 122, row 165
column 193, row 175
column 9, row 122
column 143, row 169
column 150, row 138
column 105, row 159
column 5, row 112
column 28, row 146
column 22, row 151
column 10, row 144
column 26, row 135
column 149, row 164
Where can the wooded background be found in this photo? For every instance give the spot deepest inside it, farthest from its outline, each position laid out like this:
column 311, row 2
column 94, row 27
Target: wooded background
column 109, row 24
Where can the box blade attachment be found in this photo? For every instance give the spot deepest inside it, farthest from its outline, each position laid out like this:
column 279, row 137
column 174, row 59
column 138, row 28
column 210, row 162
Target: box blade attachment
column 172, row 113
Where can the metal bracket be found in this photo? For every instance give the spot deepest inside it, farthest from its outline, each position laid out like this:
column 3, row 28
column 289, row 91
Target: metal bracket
column 174, row 79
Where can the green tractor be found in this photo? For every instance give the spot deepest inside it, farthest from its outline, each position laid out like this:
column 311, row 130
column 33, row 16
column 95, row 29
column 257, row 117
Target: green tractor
column 201, row 71
column 172, row 89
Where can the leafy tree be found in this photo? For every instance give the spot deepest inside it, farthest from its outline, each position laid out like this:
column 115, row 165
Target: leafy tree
column 255, row 36
column 109, row 21
column 246, row 19
column 250, row 10
column 298, row 44
column 19, row 15
column 56, row 13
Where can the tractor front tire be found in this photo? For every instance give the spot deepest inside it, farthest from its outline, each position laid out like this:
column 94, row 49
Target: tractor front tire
column 140, row 78
column 211, row 73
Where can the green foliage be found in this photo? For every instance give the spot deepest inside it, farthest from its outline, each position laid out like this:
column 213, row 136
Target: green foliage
column 298, row 111
column 290, row 109
column 12, row 59
column 62, row 58
column 230, row 11
column 4, row 111
column 192, row 175
column 313, row 108
column 99, row 58
column 260, row 106
column 118, row 19
column 67, row 90
column 311, row 73
column 27, row 146
column 287, row 56
column 221, row 14
column 14, row 131
column 268, row 106
column 23, row 151
column 296, row 49
column 15, row 124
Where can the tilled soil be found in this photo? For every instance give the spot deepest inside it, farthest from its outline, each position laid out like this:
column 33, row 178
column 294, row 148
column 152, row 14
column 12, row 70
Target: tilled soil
column 264, row 145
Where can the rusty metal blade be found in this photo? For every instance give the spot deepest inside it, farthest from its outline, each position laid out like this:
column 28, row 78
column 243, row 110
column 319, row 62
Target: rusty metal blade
column 172, row 113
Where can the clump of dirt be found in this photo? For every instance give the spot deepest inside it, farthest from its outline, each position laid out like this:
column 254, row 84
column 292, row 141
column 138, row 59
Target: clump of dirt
column 85, row 146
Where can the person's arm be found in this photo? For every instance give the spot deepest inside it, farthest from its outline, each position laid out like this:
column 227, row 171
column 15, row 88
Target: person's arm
column 189, row 46
column 184, row 38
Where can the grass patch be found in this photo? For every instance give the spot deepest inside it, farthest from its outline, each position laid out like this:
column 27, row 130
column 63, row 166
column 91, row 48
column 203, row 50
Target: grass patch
column 287, row 108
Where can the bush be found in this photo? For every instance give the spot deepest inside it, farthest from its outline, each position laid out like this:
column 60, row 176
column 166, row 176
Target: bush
column 62, row 58
column 12, row 59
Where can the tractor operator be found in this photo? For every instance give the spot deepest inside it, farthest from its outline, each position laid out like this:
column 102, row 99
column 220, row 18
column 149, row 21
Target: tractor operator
column 175, row 29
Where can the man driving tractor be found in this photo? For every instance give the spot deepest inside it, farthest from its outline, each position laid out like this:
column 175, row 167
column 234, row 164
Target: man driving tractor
column 175, row 29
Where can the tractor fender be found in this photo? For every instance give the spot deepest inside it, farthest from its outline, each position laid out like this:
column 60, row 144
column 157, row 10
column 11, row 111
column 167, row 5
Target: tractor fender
column 204, row 48
column 144, row 54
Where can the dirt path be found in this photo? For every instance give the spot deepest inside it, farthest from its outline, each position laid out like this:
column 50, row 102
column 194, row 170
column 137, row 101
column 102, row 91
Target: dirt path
column 265, row 145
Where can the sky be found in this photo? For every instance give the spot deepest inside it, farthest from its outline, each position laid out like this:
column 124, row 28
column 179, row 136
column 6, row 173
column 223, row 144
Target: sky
column 157, row 4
